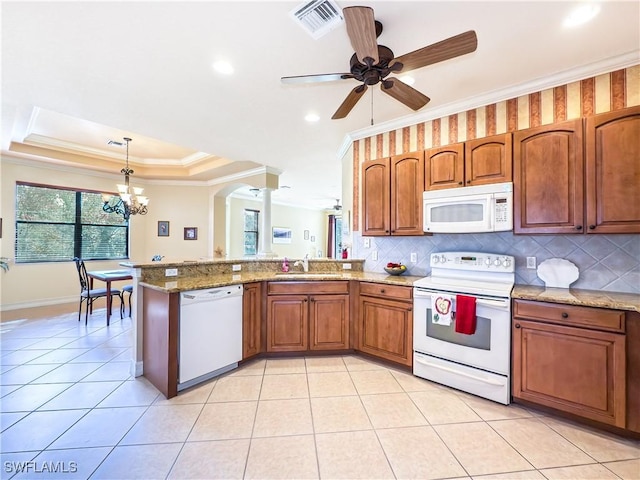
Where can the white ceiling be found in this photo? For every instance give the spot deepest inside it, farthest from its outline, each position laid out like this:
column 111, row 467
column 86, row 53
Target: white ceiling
column 76, row 74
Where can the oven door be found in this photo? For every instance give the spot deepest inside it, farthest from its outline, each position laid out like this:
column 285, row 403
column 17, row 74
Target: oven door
column 488, row 348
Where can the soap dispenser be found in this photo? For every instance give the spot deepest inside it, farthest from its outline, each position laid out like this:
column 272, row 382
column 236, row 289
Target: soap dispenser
column 285, row 265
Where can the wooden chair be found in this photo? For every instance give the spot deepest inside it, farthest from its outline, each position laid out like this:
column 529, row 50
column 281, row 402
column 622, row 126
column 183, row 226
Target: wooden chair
column 89, row 295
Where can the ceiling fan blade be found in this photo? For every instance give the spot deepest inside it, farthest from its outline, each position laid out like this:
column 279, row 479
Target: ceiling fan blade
column 361, row 29
column 323, row 77
column 402, row 92
column 349, row 102
column 466, row 42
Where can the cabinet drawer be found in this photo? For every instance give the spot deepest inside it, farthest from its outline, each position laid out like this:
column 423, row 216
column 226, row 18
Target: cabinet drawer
column 591, row 317
column 296, row 287
column 380, row 290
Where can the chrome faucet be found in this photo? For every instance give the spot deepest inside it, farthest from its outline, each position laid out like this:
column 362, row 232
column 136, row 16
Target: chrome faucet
column 304, row 262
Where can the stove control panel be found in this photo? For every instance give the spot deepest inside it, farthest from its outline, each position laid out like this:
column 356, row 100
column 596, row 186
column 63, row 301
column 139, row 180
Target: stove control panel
column 473, row 261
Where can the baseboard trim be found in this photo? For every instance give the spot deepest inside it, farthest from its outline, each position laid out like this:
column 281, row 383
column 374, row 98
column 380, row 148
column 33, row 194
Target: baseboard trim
column 39, row 303
column 136, row 368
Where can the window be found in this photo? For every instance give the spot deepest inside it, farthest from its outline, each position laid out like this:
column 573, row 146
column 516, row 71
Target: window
column 57, row 224
column 251, row 232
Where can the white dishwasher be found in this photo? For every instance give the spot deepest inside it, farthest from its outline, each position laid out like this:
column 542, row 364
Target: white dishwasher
column 210, row 338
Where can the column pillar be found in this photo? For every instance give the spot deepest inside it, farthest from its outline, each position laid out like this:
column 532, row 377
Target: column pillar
column 264, row 248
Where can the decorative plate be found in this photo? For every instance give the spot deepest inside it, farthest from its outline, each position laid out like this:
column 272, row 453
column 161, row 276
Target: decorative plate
column 558, row 273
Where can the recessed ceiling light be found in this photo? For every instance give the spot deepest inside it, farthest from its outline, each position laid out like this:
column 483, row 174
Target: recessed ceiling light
column 312, row 117
column 223, row 67
column 409, row 80
column 581, row 15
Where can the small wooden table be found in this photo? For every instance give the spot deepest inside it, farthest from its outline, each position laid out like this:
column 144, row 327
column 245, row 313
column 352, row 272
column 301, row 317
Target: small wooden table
column 108, row 276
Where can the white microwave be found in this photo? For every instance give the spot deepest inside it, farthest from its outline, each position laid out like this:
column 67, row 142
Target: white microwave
column 482, row 208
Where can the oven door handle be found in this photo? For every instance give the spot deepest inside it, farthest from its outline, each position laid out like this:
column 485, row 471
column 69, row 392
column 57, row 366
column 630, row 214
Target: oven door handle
column 493, row 303
column 456, row 372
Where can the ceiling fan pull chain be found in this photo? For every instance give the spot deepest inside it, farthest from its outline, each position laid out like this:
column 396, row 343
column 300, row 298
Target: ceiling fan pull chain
column 372, row 106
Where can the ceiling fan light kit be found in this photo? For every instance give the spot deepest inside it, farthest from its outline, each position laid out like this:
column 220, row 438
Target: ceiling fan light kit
column 372, row 63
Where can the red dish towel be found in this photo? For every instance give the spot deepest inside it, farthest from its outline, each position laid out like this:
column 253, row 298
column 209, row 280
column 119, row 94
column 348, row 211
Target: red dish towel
column 465, row 314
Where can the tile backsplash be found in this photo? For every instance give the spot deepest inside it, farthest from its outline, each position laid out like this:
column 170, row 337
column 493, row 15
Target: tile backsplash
column 605, row 262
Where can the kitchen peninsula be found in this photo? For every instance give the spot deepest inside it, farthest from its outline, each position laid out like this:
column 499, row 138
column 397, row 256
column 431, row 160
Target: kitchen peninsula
column 283, row 312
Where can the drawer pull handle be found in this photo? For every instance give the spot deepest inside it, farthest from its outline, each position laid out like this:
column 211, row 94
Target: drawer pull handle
column 565, row 315
column 517, row 325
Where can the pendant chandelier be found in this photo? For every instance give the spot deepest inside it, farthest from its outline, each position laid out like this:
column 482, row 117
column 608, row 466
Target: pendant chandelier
column 129, row 200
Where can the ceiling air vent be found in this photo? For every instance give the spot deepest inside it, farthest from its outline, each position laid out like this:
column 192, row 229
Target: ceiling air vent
column 318, row 17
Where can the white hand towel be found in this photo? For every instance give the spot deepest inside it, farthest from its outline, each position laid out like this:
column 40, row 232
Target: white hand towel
column 441, row 306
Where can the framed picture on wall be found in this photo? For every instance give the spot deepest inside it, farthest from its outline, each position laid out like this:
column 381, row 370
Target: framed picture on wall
column 163, row 228
column 190, row 233
column 281, row 235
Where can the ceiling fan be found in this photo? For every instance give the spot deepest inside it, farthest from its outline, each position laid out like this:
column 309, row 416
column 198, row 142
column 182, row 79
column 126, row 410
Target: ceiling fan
column 372, row 63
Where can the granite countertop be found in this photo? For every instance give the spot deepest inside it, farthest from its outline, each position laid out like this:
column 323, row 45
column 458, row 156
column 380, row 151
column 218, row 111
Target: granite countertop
column 586, row 298
column 180, row 284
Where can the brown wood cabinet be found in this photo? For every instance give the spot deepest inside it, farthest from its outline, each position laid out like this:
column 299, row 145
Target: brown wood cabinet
column 385, row 327
column 613, row 172
column 488, row 160
column 287, row 323
column 307, row 316
column 444, row 167
column 548, row 179
column 328, row 322
column 560, row 188
column 578, row 367
column 474, row 162
column 252, row 320
column 392, row 195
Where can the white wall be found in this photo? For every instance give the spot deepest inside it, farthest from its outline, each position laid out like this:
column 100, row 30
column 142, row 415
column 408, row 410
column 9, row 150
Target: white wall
column 297, row 219
column 181, row 206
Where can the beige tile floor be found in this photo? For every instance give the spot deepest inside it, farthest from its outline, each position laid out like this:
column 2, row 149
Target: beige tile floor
column 69, row 409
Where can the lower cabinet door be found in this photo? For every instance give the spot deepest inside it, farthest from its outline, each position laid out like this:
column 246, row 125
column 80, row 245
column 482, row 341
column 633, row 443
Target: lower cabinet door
column 576, row 370
column 329, row 322
column 287, row 323
column 386, row 329
column 251, row 320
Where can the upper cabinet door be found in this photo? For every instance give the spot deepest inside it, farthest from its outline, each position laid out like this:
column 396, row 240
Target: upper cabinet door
column 375, row 197
column 407, row 185
column 548, row 179
column 444, row 167
column 488, row 160
column 613, row 172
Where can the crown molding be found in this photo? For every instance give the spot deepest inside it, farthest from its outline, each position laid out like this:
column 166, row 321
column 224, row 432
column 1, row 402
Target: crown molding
column 244, row 174
column 611, row 64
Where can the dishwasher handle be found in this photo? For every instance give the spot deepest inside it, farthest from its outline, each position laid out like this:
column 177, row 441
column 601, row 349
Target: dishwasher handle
column 210, row 295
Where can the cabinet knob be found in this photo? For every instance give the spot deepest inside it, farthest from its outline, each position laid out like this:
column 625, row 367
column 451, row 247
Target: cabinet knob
column 305, row 300
column 468, row 181
column 517, row 325
column 382, row 290
column 459, row 183
column 592, row 227
column 578, row 227
column 565, row 315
